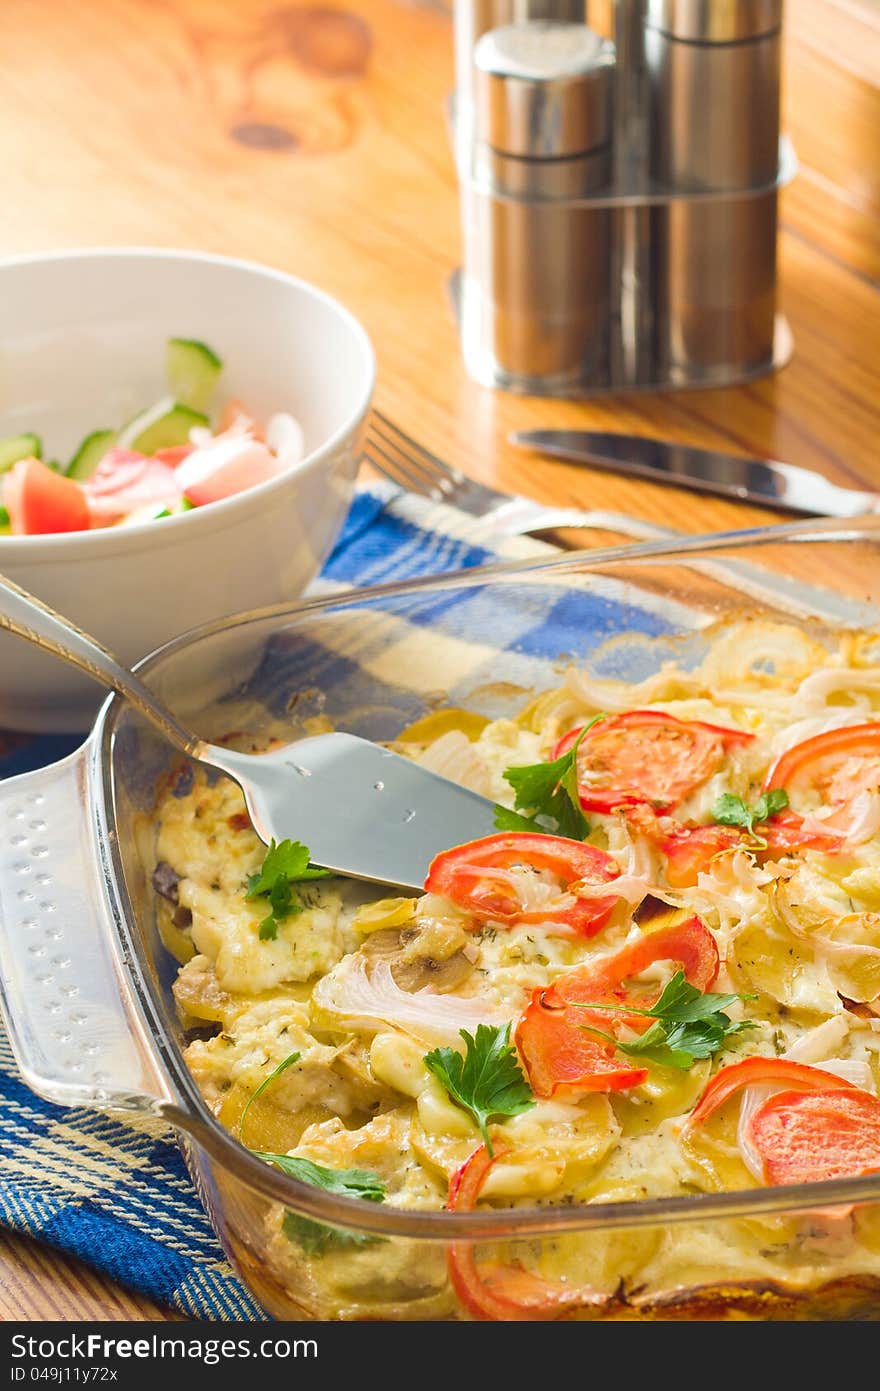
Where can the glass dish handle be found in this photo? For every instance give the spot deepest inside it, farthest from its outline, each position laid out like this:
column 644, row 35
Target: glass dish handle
column 74, row 1024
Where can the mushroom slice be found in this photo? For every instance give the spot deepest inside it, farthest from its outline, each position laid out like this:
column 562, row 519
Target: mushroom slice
column 166, row 881
column 428, row 952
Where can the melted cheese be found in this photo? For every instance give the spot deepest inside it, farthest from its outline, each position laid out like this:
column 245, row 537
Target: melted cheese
column 361, row 1097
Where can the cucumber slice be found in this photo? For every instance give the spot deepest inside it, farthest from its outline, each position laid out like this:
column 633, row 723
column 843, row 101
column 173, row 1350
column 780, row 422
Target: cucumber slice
column 15, row 447
column 183, row 506
column 5, row 527
column 90, row 453
column 162, row 426
column 193, row 372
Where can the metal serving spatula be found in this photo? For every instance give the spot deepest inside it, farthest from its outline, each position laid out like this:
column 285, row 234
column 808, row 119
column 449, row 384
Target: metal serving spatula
column 361, row 809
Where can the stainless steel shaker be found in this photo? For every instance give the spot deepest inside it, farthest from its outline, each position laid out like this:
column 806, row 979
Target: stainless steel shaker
column 640, row 252
column 537, row 295
column 473, row 19
column 712, row 75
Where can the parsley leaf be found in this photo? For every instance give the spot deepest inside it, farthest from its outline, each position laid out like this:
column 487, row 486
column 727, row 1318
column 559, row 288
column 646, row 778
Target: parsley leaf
column 688, row 1024
column 276, row 1072
column 488, row 1080
column 286, row 863
column 285, row 859
column 682, row 1003
column 653, row 1047
column 733, row 811
column 316, row 1238
column 346, row 1183
column 269, row 928
column 547, row 790
column 680, row 1045
column 769, row 803
column 507, row 820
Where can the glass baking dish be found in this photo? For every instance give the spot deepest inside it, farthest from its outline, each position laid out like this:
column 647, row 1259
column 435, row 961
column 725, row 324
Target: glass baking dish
column 86, row 982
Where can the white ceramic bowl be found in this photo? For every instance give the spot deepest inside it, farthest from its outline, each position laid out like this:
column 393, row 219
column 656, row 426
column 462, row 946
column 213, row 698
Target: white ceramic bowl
column 82, row 345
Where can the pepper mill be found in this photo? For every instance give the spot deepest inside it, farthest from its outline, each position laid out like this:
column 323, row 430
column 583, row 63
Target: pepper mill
column 473, row 19
column 537, row 267
column 712, row 76
column 619, row 164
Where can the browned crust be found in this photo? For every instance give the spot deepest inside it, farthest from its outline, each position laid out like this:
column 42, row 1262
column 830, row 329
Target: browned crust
column 849, row 1298
column 852, row 1298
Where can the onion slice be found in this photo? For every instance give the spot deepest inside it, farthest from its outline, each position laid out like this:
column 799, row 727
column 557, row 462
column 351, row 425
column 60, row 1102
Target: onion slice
column 631, row 887
column 284, row 436
column 826, row 946
column 454, row 756
column 366, row 995
column 814, row 690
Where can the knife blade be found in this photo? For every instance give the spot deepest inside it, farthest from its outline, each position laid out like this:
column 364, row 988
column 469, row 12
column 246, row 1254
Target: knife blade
column 765, row 481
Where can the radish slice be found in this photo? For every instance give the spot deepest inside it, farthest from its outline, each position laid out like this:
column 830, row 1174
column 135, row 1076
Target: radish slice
column 125, row 481
column 174, row 454
column 228, row 465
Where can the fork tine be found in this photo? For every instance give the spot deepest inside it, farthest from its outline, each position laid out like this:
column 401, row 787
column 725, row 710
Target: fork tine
column 424, row 479
column 393, row 467
column 403, row 465
column 393, row 436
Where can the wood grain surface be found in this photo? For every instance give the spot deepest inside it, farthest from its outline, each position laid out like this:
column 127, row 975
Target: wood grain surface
column 312, row 137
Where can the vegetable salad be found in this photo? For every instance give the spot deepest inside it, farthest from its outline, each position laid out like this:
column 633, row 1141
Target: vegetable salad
column 661, row 976
column 168, row 459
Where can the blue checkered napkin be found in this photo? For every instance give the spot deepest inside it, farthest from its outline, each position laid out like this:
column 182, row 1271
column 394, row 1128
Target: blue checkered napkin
column 118, row 1195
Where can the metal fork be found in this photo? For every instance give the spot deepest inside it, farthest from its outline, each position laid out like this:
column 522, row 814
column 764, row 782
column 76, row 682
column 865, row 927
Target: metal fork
column 400, row 458
column 403, row 460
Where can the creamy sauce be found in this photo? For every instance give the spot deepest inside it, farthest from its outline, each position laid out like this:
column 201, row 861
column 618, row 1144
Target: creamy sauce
column 360, row 1095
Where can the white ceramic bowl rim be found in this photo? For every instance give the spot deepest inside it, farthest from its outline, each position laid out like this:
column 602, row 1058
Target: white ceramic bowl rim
column 21, row 547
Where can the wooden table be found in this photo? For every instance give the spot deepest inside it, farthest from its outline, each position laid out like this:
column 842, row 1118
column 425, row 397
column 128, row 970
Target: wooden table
column 312, row 137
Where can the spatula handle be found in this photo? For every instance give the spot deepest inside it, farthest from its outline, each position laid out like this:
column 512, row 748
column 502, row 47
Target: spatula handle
column 29, row 618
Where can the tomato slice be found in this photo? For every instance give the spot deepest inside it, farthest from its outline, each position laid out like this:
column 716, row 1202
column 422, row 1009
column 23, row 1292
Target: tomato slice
column 502, row 1292
column 478, row 877
column 804, row 1136
column 750, row 1072
column 786, row 832
column 560, row 1057
column 689, row 848
column 41, row 502
column 646, row 756
column 689, row 945
column 838, row 764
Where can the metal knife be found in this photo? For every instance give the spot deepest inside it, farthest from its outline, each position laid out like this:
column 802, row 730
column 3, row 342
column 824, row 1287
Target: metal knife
column 765, row 481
